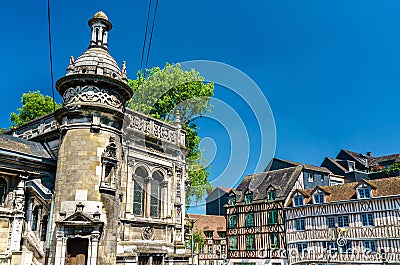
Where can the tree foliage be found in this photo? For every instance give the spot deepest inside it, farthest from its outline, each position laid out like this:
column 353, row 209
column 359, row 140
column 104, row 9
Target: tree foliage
column 34, row 105
column 198, row 240
column 160, row 94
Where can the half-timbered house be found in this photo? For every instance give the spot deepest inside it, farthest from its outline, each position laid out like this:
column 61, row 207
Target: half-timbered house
column 353, row 223
column 255, row 219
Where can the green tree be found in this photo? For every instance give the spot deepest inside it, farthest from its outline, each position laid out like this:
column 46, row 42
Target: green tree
column 198, row 240
column 34, row 105
column 160, row 94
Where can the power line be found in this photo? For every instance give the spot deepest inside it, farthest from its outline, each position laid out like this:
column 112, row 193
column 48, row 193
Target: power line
column 51, row 54
column 151, row 33
column 144, row 40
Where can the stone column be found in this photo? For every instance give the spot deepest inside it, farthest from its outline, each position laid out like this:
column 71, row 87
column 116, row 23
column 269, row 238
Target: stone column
column 94, row 245
column 148, row 196
column 59, row 255
column 164, row 199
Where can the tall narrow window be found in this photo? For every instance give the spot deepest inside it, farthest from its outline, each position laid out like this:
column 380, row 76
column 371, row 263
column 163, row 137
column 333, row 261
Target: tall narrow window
column 274, row 240
column 3, row 190
column 232, row 243
column 138, row 197
column 249, row 219
column 250, row 242
column 249, row 198
column 43, row 228
column 232, row 200
column 155, row 198
column 300, row 226
column 271, row 195
column 232, row 221
column 138, row 191
column 272, row 217
column 35, row 217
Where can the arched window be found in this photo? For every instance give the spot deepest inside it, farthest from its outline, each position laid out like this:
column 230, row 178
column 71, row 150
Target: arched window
column 3, row 190
column 35, row 216
column 155, row 199
column 138, row 188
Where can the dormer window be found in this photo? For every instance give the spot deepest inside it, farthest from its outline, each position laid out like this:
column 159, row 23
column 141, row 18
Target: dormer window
column 310, row 177
column 271, row 195
column 298, row 200
column 319, row 198
column 249, row 198
column 232, row 200
column 364, row 193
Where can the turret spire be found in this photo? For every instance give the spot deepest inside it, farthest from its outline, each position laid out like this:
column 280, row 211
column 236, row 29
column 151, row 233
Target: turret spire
column 100, row 28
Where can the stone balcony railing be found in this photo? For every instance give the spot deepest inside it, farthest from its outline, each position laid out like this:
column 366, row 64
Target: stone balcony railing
column 136, row 121
column 146, row 125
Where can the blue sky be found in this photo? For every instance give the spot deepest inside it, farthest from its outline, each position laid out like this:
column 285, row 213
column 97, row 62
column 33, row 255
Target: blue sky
column 329, row 69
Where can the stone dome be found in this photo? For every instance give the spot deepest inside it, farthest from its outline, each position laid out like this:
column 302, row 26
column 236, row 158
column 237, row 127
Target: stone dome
column 100, row 14
column 96, row 60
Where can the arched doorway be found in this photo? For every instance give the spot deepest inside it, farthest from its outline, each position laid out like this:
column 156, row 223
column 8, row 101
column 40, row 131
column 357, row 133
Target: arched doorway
column 77, row 251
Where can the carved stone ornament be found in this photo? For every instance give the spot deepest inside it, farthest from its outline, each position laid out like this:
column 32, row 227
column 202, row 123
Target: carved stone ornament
column 92, row 94
column 111, row 150
column 148, row 233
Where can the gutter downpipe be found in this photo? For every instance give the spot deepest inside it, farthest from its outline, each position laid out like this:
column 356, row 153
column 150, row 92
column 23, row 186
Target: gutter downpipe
column 46, row 260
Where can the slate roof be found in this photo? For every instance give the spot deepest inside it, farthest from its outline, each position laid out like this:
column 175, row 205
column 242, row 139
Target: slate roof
column 306, row 166
column 394, row 158
column 362, row 159
column 213, row 223
column 380, row 187
column 282, row 180
column 371, row 160
column 10, row 143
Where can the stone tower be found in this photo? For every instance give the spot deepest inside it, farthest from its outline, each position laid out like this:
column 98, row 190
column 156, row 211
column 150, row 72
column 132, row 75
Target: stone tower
column 87, row 197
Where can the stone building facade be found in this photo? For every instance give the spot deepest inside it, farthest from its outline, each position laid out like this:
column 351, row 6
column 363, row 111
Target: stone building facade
column 107, row 184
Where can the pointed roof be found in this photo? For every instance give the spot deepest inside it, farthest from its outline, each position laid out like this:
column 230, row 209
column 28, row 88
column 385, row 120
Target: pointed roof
column 282, row 179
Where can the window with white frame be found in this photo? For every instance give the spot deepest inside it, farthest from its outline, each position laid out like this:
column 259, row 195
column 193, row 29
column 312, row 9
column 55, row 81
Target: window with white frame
column 319, row 198
column 364, row 193
column 300, row 225
column 302, row 248
column 370, row 246
column 298, row 200
column 367, row 219
column 343, row 221
column 330, row 221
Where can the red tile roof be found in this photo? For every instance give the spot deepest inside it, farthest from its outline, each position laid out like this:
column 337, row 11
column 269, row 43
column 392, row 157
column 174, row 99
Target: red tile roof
column 213, row 223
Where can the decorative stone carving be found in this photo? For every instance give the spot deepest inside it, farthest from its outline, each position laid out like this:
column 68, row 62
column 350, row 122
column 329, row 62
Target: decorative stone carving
column 92, row 94
column 19, row 202
column 156, row 129
column 95, row 236
column 148, row 233
column 111, row 150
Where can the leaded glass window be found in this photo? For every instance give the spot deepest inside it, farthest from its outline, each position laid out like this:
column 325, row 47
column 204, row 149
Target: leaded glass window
column 249, row 219
column 250, row 242
column 138, row 197
column 274, row 240
column 155, row 198
column 232, row 243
